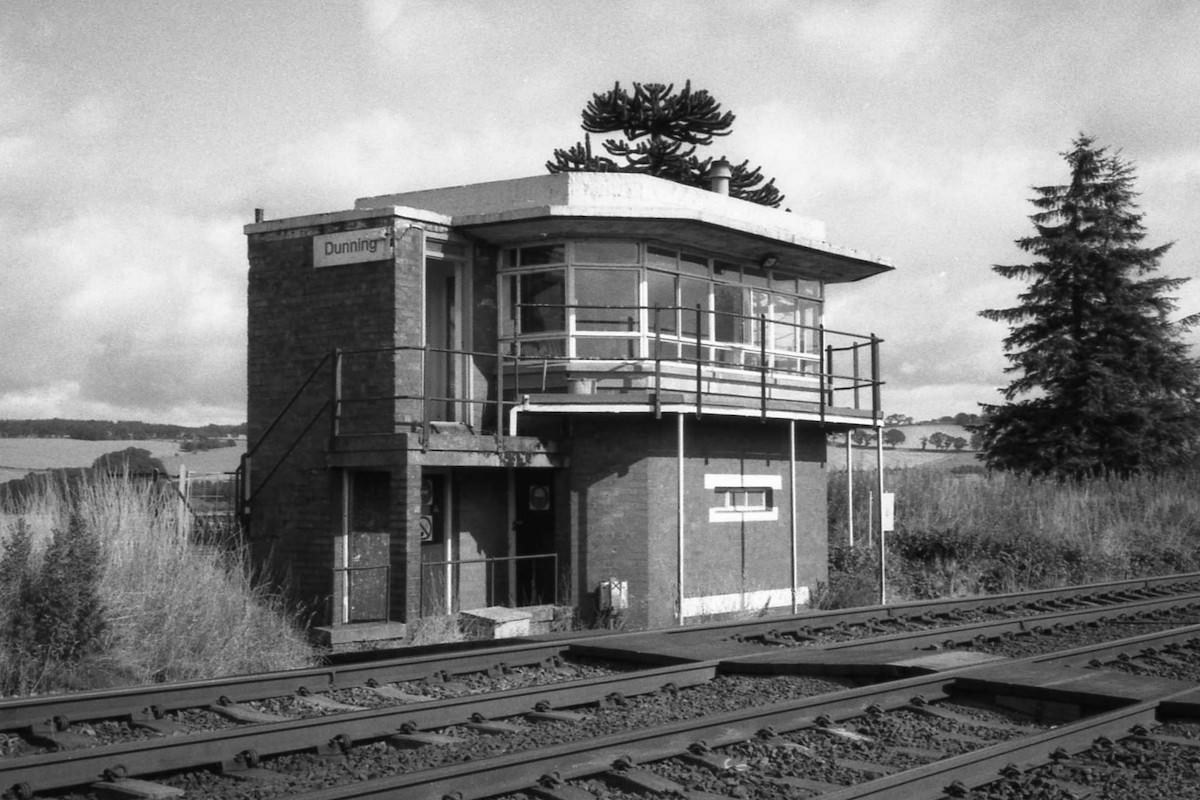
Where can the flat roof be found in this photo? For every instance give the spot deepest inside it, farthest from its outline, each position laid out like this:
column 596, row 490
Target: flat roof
column 583, row 204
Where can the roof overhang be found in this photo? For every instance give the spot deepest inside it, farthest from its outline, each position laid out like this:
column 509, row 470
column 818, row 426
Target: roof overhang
column 598, row 204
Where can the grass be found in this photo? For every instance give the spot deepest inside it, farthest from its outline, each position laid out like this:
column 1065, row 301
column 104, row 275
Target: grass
column 969, row 532
column 170, row 610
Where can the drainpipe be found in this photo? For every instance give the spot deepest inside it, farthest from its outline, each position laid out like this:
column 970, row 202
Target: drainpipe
column 679, row 506
column 792, row 478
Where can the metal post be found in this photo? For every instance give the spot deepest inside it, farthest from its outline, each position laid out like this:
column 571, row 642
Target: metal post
column 823, row 378
column 500, row 391
column 854, row 371
column 876, row 403
column 850, row 487
column 882, row 535
column 680, row 509
column 762, row 364
column 657, row 367
column 335, row 422
column 699, row 360
column 792, row 503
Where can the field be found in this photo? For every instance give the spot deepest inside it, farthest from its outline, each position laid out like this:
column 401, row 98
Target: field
column 909, row 454
column 18, row 457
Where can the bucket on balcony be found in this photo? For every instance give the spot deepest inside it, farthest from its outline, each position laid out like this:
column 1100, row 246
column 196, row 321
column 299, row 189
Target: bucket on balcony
column 581, row 386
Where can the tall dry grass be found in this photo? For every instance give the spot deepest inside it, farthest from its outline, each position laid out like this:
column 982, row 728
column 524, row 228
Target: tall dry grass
column 172, row 610
column 976, row 533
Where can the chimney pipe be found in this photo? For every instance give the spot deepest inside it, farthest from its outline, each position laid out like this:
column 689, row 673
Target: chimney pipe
column 718, row 176
column 258, row 215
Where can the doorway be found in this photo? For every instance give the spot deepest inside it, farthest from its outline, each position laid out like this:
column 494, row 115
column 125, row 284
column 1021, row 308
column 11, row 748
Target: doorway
column 535, row 568
column 445, row 371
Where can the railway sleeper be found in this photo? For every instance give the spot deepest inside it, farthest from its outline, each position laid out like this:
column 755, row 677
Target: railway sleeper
column 245, row 766
column 961, row 719
column 56, row 733
column 399, row 695
column 553, row 787
column 490, row 726
column 324, row 702
column 137, row 788
column 152, row 719
column 239, row 712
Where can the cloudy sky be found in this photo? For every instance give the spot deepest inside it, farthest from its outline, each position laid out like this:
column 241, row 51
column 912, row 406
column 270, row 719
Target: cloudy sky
column 136, row 138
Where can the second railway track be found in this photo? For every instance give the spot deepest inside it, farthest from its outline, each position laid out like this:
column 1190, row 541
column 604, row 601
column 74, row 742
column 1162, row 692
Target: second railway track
column 583, row 690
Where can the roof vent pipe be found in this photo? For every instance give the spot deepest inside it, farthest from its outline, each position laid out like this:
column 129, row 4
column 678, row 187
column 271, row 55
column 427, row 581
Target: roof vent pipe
column 718, row 176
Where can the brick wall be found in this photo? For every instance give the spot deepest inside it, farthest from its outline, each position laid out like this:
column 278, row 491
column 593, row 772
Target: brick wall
column 623, row 486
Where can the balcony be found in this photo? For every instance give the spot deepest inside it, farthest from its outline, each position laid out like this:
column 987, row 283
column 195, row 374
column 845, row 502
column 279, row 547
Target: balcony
column 679, row 360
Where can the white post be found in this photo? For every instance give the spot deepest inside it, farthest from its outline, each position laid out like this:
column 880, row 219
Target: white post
column 679, row 506
column 849, row 490
column 882, row 536
column 792, row 502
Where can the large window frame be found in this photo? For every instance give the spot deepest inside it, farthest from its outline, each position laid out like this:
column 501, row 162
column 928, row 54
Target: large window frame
column 731, row 295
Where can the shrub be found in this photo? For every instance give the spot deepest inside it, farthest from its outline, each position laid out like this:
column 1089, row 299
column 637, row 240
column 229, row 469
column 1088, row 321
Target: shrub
column 136, row 601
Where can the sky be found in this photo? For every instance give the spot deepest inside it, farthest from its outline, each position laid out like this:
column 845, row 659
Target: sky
column 137, row 138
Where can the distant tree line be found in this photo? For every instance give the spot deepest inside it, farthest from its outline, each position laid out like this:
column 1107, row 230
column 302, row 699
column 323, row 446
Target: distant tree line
column 99, row 430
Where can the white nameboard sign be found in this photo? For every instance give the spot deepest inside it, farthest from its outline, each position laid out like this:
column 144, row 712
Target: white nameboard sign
column 351, row 247
column 887, row 516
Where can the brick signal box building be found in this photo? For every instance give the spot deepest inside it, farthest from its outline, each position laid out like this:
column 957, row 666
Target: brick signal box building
column 598, row 390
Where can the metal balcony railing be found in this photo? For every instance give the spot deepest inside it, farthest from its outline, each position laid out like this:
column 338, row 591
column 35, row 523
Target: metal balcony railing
column 708, row 358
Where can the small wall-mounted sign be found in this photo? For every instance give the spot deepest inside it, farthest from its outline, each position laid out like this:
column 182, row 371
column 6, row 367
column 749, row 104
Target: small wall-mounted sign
column 352, row 247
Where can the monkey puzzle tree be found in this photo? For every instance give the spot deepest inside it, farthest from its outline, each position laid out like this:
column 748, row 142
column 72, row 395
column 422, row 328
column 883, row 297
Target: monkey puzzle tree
column 1104, row 383
column 661, row 129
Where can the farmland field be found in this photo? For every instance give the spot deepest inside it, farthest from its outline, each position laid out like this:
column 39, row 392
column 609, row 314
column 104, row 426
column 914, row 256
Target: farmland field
column 909, row 454
column 18, row 457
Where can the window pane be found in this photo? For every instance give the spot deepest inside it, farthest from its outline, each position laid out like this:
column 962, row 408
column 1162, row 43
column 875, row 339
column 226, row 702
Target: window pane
column 692, row 293
column 690, row 263
column 543, row 254
column 809, row 288
column 607, row 300
column 544, row 348
column 602, row 347
column 660, row 257
column 660, row 293
column 602, row 252
column 727, row 302
column 542, row 297
column 752, row 276
column 783, row 319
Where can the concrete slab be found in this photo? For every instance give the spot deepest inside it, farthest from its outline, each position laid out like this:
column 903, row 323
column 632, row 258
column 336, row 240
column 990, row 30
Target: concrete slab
column 496, row 622
column 946, row 659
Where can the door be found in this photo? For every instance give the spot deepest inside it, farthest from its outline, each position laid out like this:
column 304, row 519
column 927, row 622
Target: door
column 535, row 567
column 362, row 556
column 444, row 371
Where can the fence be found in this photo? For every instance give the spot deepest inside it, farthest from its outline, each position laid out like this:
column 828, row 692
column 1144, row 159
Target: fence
column 208, row 506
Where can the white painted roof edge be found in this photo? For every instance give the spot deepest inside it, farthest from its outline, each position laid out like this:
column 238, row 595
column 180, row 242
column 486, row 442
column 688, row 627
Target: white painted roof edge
column 617, row 194
column 347, row 215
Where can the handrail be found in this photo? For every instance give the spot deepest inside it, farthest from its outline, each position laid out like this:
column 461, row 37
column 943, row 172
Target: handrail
column 810, row 356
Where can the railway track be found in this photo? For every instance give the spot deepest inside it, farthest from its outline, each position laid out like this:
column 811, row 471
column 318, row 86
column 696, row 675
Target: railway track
column 676, row 698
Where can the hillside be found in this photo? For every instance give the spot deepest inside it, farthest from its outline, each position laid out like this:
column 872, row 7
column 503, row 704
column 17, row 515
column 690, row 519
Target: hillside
column 20, row 456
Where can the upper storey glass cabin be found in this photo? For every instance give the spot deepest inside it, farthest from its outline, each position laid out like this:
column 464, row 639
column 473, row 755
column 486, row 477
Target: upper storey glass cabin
column 627, row 293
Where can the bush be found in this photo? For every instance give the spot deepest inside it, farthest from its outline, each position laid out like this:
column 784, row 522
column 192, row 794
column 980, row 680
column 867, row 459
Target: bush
column 969, row 533
column 100, row 583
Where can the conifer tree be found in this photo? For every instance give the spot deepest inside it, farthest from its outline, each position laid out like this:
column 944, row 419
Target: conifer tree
column 1103, row 381
column 661, row 130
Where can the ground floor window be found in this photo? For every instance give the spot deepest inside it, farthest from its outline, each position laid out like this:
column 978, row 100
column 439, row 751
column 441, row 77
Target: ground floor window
column 742, row 498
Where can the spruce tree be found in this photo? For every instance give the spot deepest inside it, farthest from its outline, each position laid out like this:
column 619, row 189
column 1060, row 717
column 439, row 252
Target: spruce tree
column 1103, row 381
column 662, row 129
